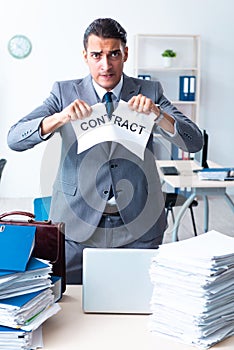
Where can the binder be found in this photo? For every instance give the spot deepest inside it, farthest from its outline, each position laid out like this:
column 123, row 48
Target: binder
column 49, row 241
column 16, row 246
column 187, row 88
column 192, row 86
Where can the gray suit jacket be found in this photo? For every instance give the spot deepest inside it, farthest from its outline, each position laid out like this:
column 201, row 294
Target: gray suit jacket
column 83, row 181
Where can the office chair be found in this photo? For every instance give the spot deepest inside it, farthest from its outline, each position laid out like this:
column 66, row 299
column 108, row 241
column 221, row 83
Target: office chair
column 173, row 199
column 42, row 208
column 2, row 165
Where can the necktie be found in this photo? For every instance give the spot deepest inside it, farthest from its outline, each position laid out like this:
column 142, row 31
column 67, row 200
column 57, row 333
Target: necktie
column 109, row 109
column 109, row 103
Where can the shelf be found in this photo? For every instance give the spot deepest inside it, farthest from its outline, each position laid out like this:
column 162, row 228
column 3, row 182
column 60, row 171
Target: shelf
column 163, row 36
column 179, row 102
column 166, row 69
column 149, row 61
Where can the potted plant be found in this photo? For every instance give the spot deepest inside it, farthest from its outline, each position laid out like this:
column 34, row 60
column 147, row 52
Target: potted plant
column 168, row 55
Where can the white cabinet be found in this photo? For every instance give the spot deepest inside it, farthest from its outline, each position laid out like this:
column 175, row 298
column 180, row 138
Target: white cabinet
column 149, row 61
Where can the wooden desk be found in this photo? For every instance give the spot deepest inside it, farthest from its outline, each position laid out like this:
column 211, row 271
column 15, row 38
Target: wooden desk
column 189, row 180
column 71, row 329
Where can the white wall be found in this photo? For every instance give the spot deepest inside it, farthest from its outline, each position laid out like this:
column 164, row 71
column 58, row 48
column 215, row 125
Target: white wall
column 56, row 28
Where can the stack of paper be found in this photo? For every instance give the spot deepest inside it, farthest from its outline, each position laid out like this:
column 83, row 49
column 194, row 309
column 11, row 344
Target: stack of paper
column 35, row 277
column 220, row 174
column 12, row 339
column 26, row 311
column 26, row 298
column 193, row 294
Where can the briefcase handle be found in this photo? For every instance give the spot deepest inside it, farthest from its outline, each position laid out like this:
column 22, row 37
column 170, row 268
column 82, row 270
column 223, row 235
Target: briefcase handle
column 24, row 213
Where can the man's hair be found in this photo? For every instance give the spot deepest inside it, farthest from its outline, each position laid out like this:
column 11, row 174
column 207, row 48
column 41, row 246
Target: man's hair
column 106, row 28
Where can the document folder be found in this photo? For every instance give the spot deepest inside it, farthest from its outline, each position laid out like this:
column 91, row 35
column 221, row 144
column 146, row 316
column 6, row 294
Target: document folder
column 187, row 88
column 16, row 246
column 49, row 241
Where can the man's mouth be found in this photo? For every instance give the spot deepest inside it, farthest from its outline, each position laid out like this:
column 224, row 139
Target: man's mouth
column 107, row 76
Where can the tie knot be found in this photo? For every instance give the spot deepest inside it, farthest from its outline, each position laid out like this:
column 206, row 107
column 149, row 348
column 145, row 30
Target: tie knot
column 108, row 96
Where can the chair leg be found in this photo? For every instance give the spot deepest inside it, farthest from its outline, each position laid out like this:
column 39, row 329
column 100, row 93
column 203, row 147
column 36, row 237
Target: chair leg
column 172, row 213
column 193, row 221
column 173, row 216
column 167, row 212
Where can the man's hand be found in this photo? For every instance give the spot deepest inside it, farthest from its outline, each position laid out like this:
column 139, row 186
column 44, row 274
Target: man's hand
column 143, row 104
column 78, row 109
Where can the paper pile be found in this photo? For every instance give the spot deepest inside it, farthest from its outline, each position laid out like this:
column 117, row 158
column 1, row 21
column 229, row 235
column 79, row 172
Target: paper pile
column 35, row 277
column 219, row 174
column 26, row 298
column 193, row 293
column 18, row 339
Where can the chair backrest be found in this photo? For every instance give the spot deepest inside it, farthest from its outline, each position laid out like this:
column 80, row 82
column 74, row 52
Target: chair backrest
column 42, row 208
column 2, row 165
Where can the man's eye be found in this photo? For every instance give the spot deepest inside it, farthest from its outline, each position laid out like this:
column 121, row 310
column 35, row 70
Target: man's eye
column 96, row 55
column 115, row 54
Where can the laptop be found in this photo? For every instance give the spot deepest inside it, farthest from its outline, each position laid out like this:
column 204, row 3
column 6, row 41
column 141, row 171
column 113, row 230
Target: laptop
column 117, row 280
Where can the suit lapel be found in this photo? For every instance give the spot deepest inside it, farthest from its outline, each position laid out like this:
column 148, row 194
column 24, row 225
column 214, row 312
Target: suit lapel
column 85, row 91
column 130, row 88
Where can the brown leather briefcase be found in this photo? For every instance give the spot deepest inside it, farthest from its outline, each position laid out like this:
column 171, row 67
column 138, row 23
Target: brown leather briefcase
column 49, row 241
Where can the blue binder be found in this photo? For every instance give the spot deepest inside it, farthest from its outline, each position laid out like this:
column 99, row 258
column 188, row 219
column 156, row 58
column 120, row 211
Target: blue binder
column 33, row 264
column 187, row 88
column 16, row 245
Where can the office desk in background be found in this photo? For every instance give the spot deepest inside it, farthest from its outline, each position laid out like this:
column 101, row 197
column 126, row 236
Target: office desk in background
column 189, row 180
column 71, row 329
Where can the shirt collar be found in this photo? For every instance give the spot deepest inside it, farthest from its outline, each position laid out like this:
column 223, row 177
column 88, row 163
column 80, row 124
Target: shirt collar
column 101, row 91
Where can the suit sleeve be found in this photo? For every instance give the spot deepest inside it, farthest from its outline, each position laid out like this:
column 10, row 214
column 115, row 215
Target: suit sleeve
column 187, row 135
column 25, row 134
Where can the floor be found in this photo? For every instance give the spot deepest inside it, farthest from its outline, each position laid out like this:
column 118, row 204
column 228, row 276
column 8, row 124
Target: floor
column 221, row 216
column 221, row 219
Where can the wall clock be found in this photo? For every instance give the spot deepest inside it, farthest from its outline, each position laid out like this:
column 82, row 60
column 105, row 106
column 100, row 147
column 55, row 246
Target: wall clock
column 19, row 46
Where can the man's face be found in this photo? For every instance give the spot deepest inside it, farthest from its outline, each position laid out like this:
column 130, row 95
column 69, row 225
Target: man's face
column 105, row 58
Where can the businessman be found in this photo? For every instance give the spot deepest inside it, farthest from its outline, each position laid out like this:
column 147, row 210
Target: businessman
column 106, row 195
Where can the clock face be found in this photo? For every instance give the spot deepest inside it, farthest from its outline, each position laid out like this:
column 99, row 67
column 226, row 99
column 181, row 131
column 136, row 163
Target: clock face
column 19, row 46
